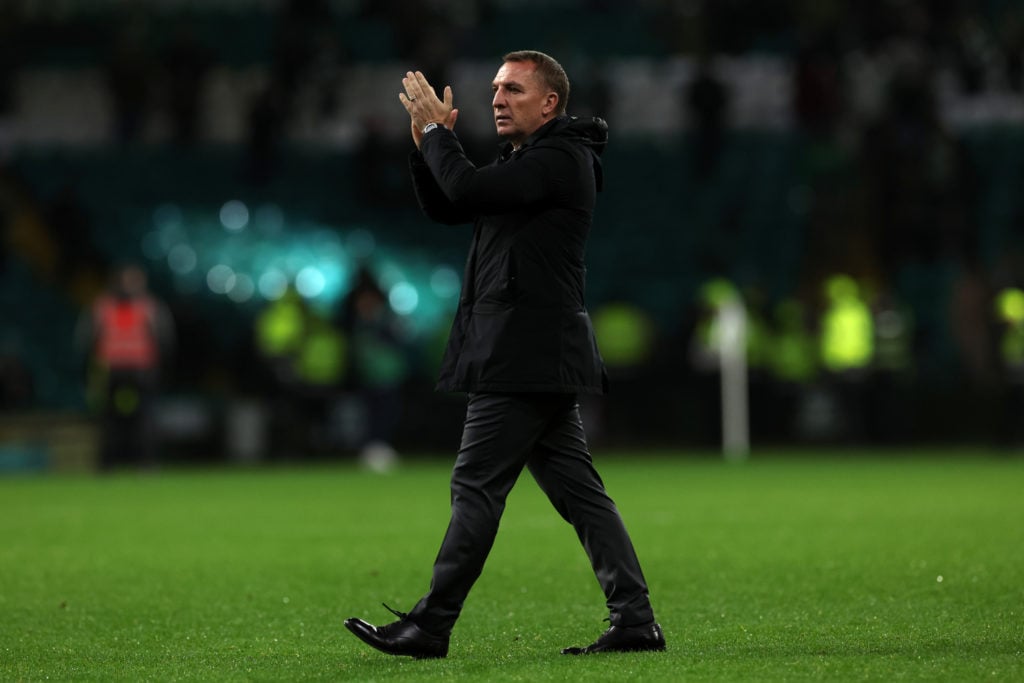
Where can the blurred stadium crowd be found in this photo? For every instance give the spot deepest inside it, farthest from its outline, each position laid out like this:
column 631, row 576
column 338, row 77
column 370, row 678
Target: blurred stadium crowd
column 849, row 171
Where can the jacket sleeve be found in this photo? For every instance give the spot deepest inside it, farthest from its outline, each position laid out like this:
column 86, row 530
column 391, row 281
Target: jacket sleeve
column 539, row 172
column 431, row 199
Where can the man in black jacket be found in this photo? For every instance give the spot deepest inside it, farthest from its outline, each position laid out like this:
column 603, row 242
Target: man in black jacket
column 521, row 345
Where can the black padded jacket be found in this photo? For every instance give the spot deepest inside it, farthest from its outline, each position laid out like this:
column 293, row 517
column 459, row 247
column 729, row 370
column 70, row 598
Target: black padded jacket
column 521, row 323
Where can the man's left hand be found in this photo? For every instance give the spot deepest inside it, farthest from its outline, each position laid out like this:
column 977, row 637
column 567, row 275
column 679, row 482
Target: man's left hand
column 423, row 105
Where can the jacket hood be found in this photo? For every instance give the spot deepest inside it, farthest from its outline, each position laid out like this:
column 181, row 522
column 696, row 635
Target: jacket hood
column 592, row 131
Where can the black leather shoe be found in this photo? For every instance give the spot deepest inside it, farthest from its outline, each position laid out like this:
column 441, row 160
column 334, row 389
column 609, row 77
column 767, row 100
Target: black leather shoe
column 402, row 637
column 647, row 638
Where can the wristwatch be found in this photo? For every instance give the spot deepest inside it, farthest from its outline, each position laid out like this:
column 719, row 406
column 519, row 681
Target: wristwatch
column 431, row 126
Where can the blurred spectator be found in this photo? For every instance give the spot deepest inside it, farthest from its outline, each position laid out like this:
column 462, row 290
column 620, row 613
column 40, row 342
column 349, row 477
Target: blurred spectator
column 424, row 33
column 704, row 352
column 818, row 89
column 26, row 232
column 6, row 218
column 129, row 70
column 707, row 100
column 327, row 74
column 186, row 63
column 129, row 336
column 267, row 121
column 382, row 180
column 901, row 159
column 78, row 260
column 591, row 89
column 971, row 322
column 1011, row 33
column 919, row 177
column 297, row 41
column 847, row 348
column 1009, row 314
column 889, row 418
column 793, row 364
column 303, row 40
column 765, row 422
column 380, row 365
column 306, row 363
column 10, row 56
column 16, row 384
column 307, row 54
column 626, row 336
column 280, row 329
column 974, row 52
column 321, row 367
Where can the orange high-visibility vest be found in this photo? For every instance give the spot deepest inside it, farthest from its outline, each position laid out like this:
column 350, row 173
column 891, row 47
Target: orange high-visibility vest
column 126, row 333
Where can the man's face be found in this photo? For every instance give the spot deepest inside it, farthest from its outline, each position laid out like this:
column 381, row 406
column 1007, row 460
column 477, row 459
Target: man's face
column 522, row 103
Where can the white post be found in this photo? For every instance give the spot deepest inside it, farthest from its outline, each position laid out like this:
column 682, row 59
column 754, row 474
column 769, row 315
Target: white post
column 732, row 326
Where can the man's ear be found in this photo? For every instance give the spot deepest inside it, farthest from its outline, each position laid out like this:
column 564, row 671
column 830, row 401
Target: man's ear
column 550, row 104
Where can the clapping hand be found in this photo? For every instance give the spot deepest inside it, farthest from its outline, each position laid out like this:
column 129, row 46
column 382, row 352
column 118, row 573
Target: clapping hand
column 423, row 105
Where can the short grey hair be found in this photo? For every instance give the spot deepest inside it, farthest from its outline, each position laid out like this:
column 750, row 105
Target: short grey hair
column 550, row 71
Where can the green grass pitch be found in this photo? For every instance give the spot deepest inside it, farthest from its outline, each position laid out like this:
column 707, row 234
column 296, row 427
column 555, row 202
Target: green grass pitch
column 841, row 566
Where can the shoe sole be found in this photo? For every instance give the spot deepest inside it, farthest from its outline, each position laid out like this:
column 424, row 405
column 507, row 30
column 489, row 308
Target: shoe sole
column 588, row 651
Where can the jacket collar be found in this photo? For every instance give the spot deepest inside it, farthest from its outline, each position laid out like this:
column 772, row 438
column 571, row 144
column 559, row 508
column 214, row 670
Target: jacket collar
column 505, row 148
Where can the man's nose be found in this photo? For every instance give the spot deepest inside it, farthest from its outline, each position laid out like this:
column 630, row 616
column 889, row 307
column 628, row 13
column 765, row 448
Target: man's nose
column 499, row 99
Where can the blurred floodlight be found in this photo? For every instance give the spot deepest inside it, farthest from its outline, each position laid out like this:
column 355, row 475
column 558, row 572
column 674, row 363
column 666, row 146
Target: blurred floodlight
column 220, row 279
column 335, row 276
column 403, row 298
column 182, row 259
column 272, row 284
column 243, row 289
column 234, row 215
column 310, row 282
column 360, row 243
column 444, row 282
column 268, row 219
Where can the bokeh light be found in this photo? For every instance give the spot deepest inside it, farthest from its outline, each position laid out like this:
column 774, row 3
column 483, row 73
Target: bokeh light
column 182, row 259
column 234, row 215
column 403, row 298
column 243, row 288
column 220, row 279
column 444, row 282
column 272, row 284
column 310, row 282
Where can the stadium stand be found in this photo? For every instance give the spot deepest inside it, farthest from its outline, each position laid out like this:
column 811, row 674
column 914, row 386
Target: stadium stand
column 772, row 214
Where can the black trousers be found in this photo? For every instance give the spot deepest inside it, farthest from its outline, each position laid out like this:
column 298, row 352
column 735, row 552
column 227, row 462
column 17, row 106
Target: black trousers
column 544, row 432
column 128, row 436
